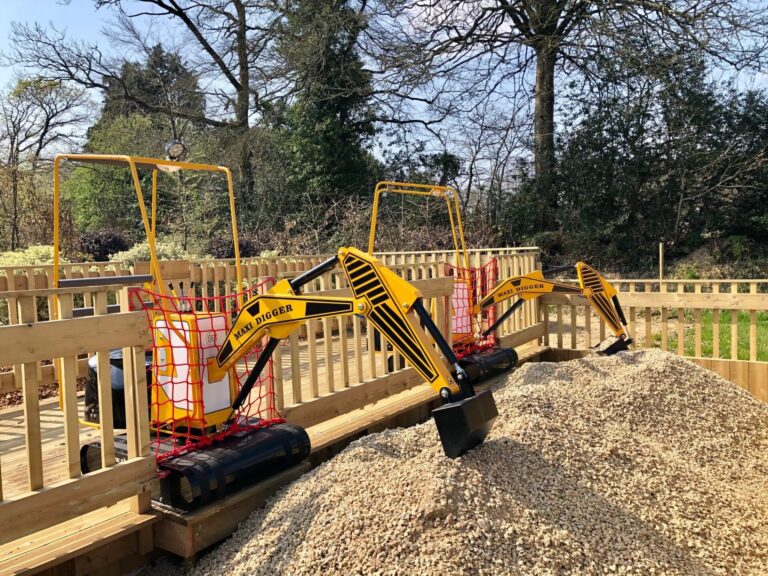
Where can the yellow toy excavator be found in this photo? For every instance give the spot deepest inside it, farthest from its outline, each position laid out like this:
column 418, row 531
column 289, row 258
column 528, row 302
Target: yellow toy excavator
column 474, row 344
column 396, row 309
column 477, row 350
column 600, row 294
column 212, row 417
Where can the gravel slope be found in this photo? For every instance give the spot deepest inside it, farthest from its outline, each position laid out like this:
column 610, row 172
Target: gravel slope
column 639, row 463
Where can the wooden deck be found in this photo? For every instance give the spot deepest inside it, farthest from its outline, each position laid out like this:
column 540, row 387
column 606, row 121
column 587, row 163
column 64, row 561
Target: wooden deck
column 12, row 445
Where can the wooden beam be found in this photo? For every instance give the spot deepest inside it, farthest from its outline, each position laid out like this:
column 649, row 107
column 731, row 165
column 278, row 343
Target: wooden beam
column 352, row 398
column 523, row 336
column 8, row 379
column 71, row 498
column 673, row 300
column 30, row 387
column 187, row 534
column 46, row 340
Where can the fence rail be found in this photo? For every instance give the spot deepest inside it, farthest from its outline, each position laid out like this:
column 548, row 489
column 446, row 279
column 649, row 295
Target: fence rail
column 55, row 488
column 218, row 278
column 334, row 366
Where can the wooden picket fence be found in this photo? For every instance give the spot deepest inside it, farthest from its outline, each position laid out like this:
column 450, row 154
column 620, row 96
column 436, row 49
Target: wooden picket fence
column 217, row 278
column 333, row 368
column 43, row 483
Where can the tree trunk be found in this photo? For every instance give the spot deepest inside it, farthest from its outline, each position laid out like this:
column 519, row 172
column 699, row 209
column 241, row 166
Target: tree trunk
column 242, row 108
column 544, row 133
column 14, row 207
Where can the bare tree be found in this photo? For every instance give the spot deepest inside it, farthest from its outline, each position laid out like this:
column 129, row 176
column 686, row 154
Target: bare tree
column 227, row 42
column 35, row 116
column 457, row 53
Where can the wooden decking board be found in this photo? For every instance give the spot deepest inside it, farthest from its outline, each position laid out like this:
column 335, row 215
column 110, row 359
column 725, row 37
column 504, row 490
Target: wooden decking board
column 12, row 446
column 67, row 540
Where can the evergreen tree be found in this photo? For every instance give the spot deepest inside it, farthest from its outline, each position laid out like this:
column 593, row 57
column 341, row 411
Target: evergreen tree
column 331, row 117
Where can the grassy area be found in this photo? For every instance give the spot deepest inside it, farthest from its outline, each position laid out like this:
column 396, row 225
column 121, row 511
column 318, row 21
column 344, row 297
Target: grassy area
column 707, row 338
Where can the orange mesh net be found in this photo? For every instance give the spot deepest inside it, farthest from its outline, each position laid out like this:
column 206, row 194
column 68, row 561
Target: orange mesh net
column 187, row 410
column 470, row 286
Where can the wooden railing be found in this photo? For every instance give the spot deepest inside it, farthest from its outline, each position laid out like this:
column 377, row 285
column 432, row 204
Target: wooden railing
column 42, row 306
column 218, row 278
column 717, row 286
column 54, row 490
column 722, row 325
column 339, row 365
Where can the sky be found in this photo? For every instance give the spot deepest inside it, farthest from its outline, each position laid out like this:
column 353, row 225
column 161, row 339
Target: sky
column 78, row 17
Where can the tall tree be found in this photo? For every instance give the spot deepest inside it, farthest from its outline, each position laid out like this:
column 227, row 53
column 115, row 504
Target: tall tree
column 35, row 115
column 662, row 155
column 227, row 42
column 330, row 116
column 476, row 49
column 164, row 82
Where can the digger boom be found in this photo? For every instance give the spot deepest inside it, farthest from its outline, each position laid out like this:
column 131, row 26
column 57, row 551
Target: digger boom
column 386, row 301
column 600, row 294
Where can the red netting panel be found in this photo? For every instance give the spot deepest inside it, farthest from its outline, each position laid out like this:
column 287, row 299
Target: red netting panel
column 187, row 409
column 470, row 286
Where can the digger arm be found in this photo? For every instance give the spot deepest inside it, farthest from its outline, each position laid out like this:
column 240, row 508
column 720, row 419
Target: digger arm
column 384, row 298
column 600, row 294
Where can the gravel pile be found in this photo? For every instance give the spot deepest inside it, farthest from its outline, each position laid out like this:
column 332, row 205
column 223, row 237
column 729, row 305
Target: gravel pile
column 639, row 463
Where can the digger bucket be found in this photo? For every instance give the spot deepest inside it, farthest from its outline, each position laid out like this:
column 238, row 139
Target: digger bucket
column 464, row 424
column 610, row 347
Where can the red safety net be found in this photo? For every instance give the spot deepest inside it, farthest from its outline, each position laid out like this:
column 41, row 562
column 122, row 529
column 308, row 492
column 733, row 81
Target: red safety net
column 470, row 286
column 187, row 410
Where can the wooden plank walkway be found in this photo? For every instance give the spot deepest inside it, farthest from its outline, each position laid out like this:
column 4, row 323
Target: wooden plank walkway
column 12, row 447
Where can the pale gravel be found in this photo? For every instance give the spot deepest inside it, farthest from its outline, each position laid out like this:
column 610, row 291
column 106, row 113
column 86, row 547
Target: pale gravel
column 639, row 463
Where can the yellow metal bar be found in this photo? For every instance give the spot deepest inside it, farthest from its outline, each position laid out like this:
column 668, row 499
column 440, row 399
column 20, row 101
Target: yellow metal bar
column 133, row 163
column 453, row 231
column 374, row 217
column 141, row 162
column 235, row 236
column 56, row 232
column 153, row 262
column 154, row 203
column 446, row 192
column 460, row 225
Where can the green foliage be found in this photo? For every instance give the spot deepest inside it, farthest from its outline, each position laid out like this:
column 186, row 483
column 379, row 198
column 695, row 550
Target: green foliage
column 724, row 320
column 166, row 250
column 331, row 117
column 223, row 246
column 28, row 256
column 162, row 82
column 672, row 158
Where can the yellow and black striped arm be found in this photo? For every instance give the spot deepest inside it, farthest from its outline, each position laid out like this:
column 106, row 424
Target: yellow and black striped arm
column 602, row 296
column 379, row 294
column 527, row 287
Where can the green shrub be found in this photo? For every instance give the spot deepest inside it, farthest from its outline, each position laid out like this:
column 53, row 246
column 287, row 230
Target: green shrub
column 166, row 250
column 224, row 246
column 103, row 243
column 28, row 256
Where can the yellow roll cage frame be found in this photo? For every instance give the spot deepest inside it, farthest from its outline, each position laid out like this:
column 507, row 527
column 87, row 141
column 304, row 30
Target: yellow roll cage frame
column 448, row 193
column 134, row 164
